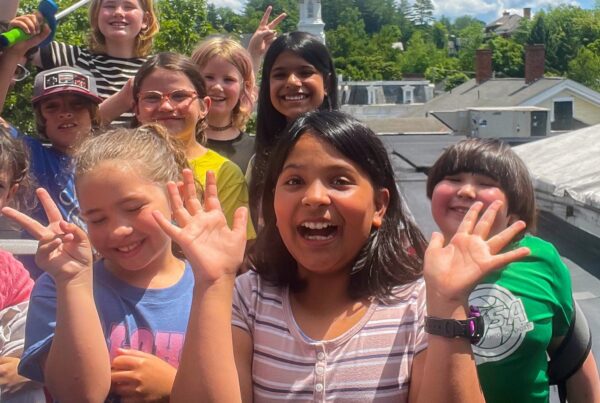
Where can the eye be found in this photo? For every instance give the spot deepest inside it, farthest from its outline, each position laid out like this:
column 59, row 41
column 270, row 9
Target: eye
column 292, row 181
column 231, row 79
column 151, row 97
column 209, row 77
column 279, row 75
column 96, row 220
column 180, row 96
column 341, row 181
column 305, row 73
column 452, row 178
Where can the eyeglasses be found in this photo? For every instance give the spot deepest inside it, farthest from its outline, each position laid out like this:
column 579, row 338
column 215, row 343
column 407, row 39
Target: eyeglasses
column 21, row 73
column 153, row 99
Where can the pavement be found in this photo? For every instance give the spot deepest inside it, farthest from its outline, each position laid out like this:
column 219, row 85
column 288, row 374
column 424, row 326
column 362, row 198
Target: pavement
column 412, row 155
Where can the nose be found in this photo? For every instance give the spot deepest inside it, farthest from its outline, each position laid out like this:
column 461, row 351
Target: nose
column 120, row 229
column 467, row 190
column 165, row 104
column 294, row 80
column 65, row 113
column 119, row 10
column 316, row 195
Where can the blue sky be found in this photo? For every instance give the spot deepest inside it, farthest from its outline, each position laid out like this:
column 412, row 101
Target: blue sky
column 486, row 10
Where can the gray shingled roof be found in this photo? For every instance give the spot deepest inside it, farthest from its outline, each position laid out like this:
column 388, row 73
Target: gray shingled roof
column 492, row 93
column 504, row 25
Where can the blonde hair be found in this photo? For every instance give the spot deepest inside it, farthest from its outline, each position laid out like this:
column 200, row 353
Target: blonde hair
column 148, row 149
column 234, row 53
column 143, row 40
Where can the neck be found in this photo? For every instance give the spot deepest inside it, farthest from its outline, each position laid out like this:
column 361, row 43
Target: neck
column 123, row 50
column 161, row 273
column 324, row 294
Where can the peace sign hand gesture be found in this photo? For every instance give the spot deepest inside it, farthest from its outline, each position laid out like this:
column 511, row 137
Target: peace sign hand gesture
column 452, row 271
column 264, row 35
column 212, row 248
column 64, row 250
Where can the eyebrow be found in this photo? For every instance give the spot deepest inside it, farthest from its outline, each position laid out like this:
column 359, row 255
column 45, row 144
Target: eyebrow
column 119, row 203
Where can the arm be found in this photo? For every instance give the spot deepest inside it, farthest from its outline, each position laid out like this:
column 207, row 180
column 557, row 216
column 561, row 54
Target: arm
column 117, row 104
column 445, row 371
column 207, row 371
column 262, row 38
column 584, row 385
column 65, row 253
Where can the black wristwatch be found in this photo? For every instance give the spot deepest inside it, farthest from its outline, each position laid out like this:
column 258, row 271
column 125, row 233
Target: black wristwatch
column 472, row 328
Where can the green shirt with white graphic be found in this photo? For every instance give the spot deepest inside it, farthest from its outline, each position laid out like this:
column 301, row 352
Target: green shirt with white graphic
column 525, row 305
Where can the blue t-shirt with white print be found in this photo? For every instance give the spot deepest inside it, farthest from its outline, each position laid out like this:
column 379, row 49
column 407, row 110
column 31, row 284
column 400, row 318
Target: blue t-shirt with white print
column 149, row 320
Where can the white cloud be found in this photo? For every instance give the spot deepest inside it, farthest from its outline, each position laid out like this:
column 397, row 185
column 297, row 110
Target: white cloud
column 489, row 9
column 235, row 5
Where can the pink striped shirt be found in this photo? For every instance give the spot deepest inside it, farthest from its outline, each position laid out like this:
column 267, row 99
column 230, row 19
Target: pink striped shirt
column 370, row 362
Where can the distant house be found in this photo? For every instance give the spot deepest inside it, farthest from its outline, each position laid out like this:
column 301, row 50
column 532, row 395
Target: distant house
column 507, row 24
column 569, row 105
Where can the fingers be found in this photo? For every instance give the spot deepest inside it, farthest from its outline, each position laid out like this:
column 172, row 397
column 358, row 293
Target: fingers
column 171, row 230
column 503, row 259
column 436, row 241
column 240, row 220
column 499, row 241
column 52, row 212
column 33, row 228
column 273, row 24
column 211, row 199
column 265, row 18
column 485, row 223
column 180, row 214
column 470, row 219
column 190, row 192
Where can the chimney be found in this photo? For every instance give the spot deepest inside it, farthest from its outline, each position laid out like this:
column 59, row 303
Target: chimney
column 534, row 62
column 527, row 13
column 483, row 65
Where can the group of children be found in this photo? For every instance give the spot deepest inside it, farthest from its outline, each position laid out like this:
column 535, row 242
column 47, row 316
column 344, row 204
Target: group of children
column 142, row 233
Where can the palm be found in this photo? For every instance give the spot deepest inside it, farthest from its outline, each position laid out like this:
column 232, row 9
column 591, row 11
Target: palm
column 212, row 248
column 453, row 270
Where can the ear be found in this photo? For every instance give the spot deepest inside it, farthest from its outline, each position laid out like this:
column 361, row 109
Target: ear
column 382, row 200
column 145, row 21
column 205, row 104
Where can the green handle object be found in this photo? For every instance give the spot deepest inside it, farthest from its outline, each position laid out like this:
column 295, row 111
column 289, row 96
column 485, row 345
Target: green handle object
column 48, row 9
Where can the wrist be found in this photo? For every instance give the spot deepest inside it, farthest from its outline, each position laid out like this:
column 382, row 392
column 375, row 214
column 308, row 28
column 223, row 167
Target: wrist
column 472, row 328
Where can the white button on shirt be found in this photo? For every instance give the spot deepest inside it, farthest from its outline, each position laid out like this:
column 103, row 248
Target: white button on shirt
column 321, row 356
column 319, row 387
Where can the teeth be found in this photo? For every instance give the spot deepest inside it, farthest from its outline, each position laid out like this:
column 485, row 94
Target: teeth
column 67, row 126
column 316, row 225
column 318, row 237
column 298, row 97
column 128, row 248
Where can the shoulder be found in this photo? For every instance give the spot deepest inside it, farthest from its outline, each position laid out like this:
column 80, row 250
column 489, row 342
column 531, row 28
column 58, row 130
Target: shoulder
column 249, row 286
column 541, row 253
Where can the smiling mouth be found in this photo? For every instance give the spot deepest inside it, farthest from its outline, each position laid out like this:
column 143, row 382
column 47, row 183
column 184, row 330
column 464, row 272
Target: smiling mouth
column 118, row 24
column 295, row 97
column 67, row 126
column 217, row 99
column 317, row 231
column 129, row 248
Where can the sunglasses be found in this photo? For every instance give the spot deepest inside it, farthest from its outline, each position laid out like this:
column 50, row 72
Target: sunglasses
column 21, row 73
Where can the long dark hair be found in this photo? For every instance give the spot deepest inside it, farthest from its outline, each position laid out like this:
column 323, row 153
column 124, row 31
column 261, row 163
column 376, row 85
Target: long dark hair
column 269, row 122
column 393, row 253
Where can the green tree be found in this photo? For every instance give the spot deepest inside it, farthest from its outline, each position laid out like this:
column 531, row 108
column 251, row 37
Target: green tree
column 420, row 54
column 422, row 12
column 254, row 10
column 223, row 19
column 183, row 23
column 470, row 39
column 440, row 35
column 585, row 68
column 507, row 56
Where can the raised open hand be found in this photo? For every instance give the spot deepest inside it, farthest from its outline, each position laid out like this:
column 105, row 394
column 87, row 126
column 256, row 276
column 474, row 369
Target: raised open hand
column 264, row 35
column 64, row 249
column 212, row 248
column 452, row 271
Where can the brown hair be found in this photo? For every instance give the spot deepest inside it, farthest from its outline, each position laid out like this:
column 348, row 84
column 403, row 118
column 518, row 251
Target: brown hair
column 143, row 41
column 231, row 51
column 174, row 62
column 15, row 160
column 493, row 159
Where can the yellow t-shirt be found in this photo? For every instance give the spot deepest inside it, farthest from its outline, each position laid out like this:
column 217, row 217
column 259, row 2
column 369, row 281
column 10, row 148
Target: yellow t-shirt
column 231, row 184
